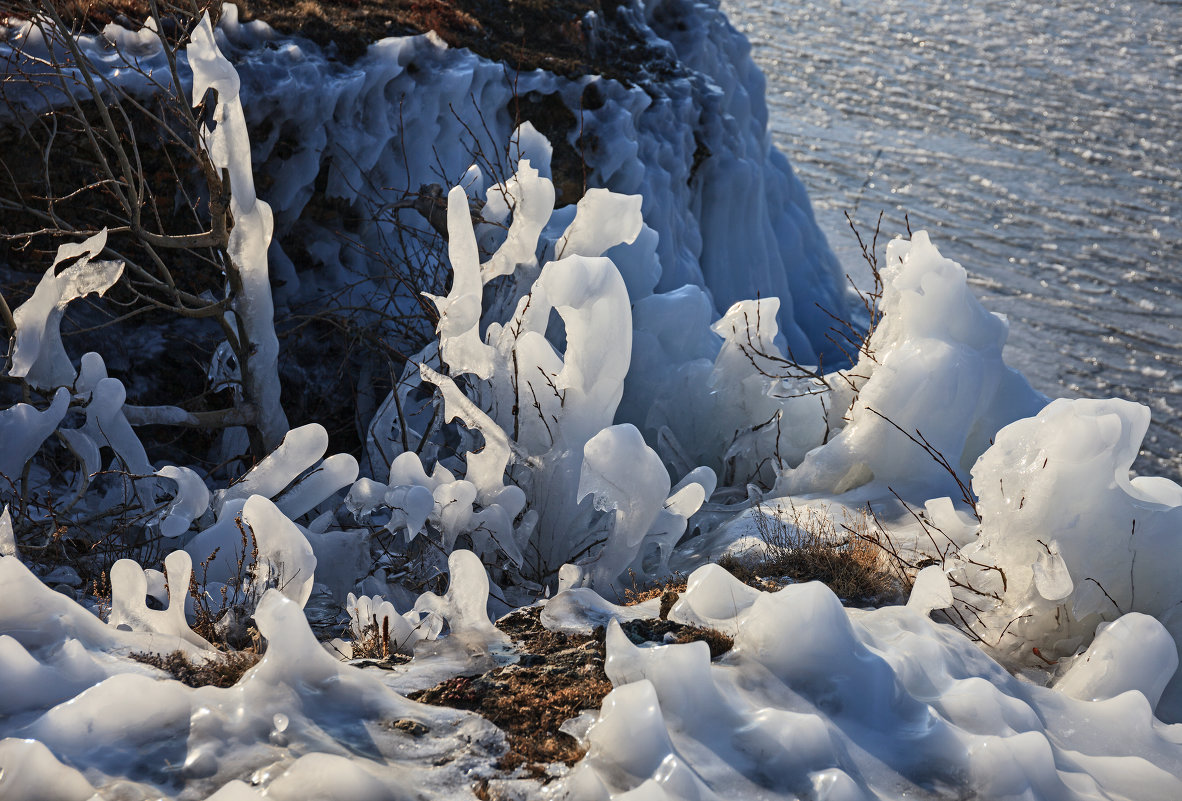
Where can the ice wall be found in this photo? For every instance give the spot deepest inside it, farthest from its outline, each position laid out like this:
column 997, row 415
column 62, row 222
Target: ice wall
column 729, row 212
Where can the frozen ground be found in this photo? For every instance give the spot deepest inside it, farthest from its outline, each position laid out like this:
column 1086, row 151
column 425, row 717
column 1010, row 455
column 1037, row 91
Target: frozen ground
column 1037, row 142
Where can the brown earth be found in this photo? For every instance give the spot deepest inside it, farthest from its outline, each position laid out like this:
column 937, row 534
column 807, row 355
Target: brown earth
column 556, row 677
column 555, row 35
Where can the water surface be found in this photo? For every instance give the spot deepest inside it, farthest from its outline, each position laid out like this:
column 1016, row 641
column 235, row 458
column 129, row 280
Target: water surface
column 1038, row 143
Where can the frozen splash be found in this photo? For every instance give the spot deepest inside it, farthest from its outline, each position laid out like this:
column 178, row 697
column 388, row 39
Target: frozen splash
column 933, row 373
column 817, row 701
column 1050, row 181
column 72, row 694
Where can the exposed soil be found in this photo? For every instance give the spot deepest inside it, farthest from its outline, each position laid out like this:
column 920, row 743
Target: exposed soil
column 556, row 122
column 567, row 37
column 557, row 677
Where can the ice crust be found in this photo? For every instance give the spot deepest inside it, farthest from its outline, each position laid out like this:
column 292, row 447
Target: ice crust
column 817, row 701
column 814, row 701
column 120, row 725
column 353, row 125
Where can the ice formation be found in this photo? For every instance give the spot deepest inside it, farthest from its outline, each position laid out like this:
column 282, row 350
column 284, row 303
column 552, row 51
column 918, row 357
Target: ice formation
column 543, row 402
column 228, row 145
column 1077, row 540
column 581, row 368
column 932, row 372
column 737, row 224
column 37, row 351
column 817, row 701
column 122, row 728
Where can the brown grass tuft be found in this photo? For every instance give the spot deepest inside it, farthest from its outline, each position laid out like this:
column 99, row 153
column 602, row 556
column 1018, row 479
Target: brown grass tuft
column 557, row 677
column 638, row 593
column 810, row 545
column 666, row 631
column 223, row 671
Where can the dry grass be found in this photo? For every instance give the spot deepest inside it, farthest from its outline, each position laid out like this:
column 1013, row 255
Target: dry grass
column 668, row 632
column 225, row 620
column 808, row 544
column 643, row 591
column 375, row 644
column 557, row 677
column 223, row 671
column 852, row 556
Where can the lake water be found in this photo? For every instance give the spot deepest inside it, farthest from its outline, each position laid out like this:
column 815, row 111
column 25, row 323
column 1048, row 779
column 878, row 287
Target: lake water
column 1041, row 146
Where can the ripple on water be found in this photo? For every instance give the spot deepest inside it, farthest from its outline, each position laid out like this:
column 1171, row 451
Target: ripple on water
column 1037, row 142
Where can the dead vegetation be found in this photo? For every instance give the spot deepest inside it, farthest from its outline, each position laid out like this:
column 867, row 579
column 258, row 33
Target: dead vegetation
column 808, row 544
column 374, row 642
column 557, row 677
column 853, row 556
column 224, row 619
column 222, row 671
column 847, row 557
column 667, row 632
column 568, row 37
column 375, row 645
column 643, row 591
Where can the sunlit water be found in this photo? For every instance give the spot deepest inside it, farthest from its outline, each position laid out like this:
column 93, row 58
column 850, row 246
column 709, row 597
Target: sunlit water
column 1039, row 143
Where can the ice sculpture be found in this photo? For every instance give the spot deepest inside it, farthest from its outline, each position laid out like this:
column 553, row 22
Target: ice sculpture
column 38, row 354
column 934, row 368
column 228, row 146
column 543, row 401
column 1067, row 538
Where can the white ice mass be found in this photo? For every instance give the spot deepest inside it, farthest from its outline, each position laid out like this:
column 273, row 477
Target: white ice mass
column 622, row 387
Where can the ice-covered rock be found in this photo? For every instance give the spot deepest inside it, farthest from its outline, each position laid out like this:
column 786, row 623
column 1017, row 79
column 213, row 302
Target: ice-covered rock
column 587, row 369
column 32, row 773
